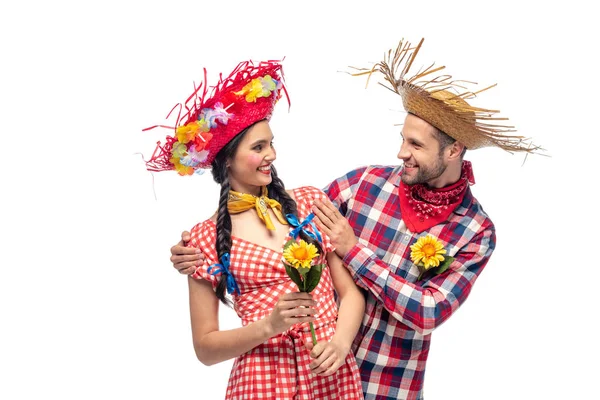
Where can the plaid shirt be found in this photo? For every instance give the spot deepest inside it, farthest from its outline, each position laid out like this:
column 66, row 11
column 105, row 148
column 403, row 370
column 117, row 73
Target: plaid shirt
column 393, row 343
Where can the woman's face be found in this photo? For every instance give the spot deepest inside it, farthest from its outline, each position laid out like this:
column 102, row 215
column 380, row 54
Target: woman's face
column 250, row 167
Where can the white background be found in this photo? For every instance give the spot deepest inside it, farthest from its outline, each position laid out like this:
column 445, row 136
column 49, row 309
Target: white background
column 90, row 306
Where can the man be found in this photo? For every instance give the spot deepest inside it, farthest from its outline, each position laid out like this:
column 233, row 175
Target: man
column 413, row 236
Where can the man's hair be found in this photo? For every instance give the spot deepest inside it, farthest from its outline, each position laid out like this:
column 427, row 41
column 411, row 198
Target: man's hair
column 446, row 140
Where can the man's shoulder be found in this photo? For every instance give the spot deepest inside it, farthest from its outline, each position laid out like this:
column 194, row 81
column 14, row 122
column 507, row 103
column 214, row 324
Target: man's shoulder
column 365, row 171
column 472, row 209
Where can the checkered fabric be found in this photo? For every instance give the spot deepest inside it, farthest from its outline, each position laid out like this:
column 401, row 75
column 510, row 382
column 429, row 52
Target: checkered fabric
column 278, row 369
column 393, row 342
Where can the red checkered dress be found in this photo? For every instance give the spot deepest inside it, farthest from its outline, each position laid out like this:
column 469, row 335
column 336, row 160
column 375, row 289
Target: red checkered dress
column 278, row 369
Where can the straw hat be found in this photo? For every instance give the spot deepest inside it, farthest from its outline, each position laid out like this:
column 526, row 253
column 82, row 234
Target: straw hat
column 210, row 121
column 441, row 102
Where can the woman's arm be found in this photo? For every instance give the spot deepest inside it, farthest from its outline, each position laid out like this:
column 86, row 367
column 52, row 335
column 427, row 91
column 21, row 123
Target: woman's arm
column 213, row 346
column 330, row 356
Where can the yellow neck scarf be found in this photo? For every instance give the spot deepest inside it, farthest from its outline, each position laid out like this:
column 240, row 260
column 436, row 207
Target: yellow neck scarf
column 240, row 202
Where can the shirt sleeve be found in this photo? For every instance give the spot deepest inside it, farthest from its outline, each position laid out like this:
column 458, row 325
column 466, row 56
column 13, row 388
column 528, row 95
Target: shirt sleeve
column 341, row 190
column 424, row 305
column 202, row 237
column 306, row 197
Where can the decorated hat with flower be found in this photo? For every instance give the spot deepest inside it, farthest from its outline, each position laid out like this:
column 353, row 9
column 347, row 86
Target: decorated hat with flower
column 441, row 101
column 207, row 121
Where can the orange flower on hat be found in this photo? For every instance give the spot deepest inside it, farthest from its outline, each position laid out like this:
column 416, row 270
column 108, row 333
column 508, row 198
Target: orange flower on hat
column 202, row 140
column 180, row 168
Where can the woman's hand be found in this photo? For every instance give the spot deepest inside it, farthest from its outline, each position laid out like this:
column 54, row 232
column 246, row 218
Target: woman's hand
column 327, row 357
column 291, row 308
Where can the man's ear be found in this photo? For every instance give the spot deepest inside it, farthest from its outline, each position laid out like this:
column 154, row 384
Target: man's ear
column 456, row 150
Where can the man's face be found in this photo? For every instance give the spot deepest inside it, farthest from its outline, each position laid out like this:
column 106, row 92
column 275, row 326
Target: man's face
column 420, row 151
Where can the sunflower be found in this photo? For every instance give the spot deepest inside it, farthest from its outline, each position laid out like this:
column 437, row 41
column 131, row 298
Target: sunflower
column 300, row 254
column 427, row 250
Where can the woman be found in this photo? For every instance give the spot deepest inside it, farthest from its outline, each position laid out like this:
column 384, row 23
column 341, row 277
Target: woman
column 243, row 244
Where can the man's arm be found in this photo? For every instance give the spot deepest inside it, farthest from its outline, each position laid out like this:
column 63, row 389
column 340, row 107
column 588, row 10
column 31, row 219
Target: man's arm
column 186, row 259
column 422, row 306
column 425, row 305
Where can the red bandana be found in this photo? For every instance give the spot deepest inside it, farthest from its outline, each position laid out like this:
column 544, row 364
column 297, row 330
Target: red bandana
column 424, row 207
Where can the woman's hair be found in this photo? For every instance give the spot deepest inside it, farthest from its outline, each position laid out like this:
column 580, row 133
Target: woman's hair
column 276, row 191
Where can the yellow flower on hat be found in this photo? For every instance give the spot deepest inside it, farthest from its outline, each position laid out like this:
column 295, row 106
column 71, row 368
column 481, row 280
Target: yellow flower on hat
column 181, row 168
column 300, row 254
column 428, row 251
column 258, row 87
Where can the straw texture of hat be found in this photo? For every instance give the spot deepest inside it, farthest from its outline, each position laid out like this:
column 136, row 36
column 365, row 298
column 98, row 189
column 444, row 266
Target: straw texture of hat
column 440, row 101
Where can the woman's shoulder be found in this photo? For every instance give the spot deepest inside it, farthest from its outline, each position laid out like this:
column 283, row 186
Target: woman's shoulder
column 308, row 193
column 305, row 196
column 205, row 226
column 203, row 234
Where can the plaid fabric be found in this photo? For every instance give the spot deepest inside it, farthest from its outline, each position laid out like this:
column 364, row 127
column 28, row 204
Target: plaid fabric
column 278, row 369
column 393, row 343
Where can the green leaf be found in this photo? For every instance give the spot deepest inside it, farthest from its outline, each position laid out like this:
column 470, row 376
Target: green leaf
column 437, row 270
column 444, row 265
column 313, row 277
column 293, row 273
column 303, row 271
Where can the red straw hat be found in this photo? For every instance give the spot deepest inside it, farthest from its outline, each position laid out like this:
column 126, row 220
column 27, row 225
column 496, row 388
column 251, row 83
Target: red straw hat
column 246, row 96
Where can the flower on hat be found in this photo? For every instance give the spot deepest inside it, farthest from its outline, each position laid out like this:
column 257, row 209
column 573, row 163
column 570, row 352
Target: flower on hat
column 202, row 140
column 181, row 168
column 187, row 133
column 259, row 87
column 210, row 121
column 211, row 115
column 193, row 157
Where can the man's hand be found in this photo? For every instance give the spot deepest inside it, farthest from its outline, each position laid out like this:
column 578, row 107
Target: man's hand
column 330, row 221
column 186, row 259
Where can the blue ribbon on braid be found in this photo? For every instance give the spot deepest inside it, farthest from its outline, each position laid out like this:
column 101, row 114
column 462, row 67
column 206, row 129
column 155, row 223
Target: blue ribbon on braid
column 300, row 226
column 223, row 268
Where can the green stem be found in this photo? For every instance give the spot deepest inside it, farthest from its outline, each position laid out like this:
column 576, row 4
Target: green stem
column 312, row 327
column 312, row 333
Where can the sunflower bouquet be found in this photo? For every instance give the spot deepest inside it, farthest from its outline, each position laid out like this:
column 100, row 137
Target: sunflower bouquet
column 428, row 255
column 298, row 258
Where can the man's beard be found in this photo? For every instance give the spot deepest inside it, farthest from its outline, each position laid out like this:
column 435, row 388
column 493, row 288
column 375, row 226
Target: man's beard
column 425, row 174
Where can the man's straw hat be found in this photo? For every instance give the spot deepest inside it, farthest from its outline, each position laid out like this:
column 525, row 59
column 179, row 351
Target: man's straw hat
column 441, row 102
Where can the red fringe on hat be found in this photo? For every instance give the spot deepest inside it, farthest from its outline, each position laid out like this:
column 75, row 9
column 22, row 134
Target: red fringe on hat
column 244, row 113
